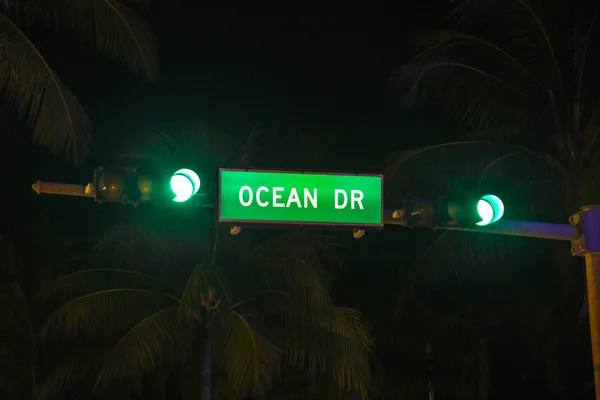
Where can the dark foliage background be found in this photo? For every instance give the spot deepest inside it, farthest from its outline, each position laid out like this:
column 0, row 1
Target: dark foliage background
column 316, row 84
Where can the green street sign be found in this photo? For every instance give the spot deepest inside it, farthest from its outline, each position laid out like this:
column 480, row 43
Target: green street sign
column 282, row 197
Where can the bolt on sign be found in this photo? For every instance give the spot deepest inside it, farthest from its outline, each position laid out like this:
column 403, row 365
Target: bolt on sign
column 285, row 197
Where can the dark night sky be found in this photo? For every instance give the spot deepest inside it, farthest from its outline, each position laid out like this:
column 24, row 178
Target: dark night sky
column 325, row 74
column 312, row 71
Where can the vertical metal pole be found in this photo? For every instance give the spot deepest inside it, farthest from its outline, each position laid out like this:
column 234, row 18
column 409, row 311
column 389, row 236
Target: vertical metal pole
column 592, row 273
column 588, row 245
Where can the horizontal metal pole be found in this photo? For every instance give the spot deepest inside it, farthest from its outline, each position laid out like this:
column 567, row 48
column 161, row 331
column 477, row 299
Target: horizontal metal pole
column 64, row 189
column 67, row 189
column 542, row 230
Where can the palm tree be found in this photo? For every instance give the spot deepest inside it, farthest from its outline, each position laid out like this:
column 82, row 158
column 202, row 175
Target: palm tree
column 182, row 302
column 266, row 309
column 520, row 72
column 32, row 87
column 17, row 356
column 21, row 369
column 476, row 269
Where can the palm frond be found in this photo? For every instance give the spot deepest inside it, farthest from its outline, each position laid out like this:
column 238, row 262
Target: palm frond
column 157, row 340
column 227, row 391
column 427, row 67
column 204, row 291
column 195, row 144
column 17, row 357
column 350, row 330
column 587, row 190
column 351, row 346
column 75, row 369
column 409, row 282
column 395, row 163
column 104, row 311
column 65, row 262
column 116, row 29
column 481, row 166
column 246, row 356
column 350, row 325
column 194, row 141
column 33, row 88
column 159, row 250
column 8, row 262
column 430, row 42
column 317, row 249
column 589, row 134
column 544, row 33
column 243, row 155
column 297, row 263
column 480, row 100
column 124, row 239
column 14, row 313
column 336, row 346
column 83, row 282
column 476, row 87
column 586, row 94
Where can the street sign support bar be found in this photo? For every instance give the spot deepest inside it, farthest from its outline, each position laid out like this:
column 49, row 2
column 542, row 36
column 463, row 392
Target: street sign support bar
column 65, row 189
column 541, row 230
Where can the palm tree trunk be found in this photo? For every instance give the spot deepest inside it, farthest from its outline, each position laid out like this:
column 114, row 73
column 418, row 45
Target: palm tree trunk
column 207, row 386
column 430, row 388
column 312, row 388
column 215, row 244
column 162, row 389
column 216, row 393
column 483, row 379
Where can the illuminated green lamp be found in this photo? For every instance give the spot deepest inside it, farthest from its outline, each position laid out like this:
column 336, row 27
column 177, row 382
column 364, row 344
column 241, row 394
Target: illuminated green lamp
column 185, row 183
column 490, row 209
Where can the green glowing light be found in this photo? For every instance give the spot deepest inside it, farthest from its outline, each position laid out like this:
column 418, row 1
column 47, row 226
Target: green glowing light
column 490, row 209
column 185, row 183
